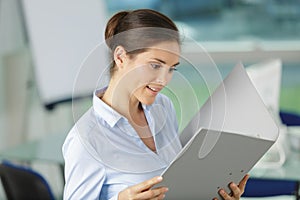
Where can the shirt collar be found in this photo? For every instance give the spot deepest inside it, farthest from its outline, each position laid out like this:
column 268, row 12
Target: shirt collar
column 106, row 112
column 103, row 110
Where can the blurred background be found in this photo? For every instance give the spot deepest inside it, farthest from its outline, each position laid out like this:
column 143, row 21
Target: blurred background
column 250, row 31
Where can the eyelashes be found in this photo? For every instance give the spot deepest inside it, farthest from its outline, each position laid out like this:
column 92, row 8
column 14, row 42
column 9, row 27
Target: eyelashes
column 158, row 66
column 155, row 65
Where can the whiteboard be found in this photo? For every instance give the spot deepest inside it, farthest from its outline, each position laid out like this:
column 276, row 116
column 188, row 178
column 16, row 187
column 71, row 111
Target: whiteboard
column 61, row 36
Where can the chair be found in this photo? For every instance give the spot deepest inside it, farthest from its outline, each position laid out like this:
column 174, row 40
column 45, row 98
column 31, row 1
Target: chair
column 21, row 183
column 289, row 118
column 260, row 187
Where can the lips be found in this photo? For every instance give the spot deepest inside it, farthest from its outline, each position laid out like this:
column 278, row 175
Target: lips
column 154, row 88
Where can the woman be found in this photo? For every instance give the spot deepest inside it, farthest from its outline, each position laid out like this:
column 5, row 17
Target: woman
column 118, row 149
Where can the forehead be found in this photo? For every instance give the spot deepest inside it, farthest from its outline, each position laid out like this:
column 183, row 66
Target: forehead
column 165, row 51
column 168, row 47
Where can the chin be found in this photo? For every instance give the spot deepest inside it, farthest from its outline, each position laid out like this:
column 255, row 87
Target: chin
column 148, row 101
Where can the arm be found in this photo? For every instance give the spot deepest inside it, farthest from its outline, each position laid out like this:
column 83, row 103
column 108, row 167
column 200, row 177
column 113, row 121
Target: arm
column 84, row 175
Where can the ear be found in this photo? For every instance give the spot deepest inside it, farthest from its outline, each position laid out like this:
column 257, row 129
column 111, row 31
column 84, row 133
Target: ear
column 120, row 56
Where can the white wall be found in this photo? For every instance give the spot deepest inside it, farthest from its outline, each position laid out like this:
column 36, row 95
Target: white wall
column 22, row 116
column 2, row 127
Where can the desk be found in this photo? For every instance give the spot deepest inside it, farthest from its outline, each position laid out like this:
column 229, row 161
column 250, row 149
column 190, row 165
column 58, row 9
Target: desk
column 48, row 149
column 289, row 171
column 282, row 180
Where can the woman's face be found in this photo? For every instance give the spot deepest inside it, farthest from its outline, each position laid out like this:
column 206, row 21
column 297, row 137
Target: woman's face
column 147, row 73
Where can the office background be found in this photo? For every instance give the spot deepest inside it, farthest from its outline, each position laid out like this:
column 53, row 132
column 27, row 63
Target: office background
column 251, row 31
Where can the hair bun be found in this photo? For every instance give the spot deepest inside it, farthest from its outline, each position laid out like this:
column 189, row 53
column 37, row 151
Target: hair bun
column 112, row 26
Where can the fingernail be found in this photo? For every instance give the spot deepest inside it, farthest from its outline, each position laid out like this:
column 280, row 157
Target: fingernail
column 159, row 178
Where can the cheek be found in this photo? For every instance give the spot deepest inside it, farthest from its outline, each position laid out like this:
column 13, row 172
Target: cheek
column 138, row 77
column 144, row 74
column 169, row 77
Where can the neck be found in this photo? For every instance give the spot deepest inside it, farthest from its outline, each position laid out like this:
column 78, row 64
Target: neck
column 121, row 101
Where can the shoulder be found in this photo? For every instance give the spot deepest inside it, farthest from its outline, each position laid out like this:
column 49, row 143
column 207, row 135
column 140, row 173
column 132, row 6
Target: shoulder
column 163, row 100
column 73, row 142
column 87, row 122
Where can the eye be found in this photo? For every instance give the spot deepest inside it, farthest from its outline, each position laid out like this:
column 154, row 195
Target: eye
column 172, row 69
column 155, row 65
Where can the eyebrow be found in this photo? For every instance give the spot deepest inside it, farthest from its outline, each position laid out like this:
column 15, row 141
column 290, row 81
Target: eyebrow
column 163, row 62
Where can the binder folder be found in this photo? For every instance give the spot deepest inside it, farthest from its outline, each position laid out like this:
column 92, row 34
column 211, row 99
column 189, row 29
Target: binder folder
column 223, row 141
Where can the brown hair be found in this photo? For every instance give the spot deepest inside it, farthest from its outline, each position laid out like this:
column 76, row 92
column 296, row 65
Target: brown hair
column 138, row 29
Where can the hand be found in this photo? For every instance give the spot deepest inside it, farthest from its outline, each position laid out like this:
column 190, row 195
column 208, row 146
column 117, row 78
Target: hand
column 143, row 190
column 236, row 191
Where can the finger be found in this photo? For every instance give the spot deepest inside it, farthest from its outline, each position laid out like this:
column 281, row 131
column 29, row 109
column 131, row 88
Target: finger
column 224, row 194
column 160, row 197
column 152, row 194
column 147, row 184
column 236, row 192
column 243, row 182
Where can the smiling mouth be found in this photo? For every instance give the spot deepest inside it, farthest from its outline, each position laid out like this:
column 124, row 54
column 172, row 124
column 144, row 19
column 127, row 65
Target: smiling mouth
column 153, row 88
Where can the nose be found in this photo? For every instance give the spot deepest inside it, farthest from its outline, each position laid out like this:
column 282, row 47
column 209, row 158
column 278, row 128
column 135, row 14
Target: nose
column 164, row 76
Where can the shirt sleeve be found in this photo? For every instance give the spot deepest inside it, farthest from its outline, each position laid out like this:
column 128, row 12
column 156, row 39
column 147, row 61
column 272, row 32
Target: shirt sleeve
column 84, row 175
column 114, row 197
